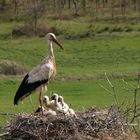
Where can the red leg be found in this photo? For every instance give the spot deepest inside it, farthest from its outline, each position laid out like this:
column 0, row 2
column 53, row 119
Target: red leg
column 41, row 102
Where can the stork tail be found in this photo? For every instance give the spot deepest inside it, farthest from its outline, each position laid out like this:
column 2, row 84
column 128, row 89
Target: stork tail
column 26, row 88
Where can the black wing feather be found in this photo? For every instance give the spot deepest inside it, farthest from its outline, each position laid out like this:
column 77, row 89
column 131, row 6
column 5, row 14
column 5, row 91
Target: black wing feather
column 26, row 88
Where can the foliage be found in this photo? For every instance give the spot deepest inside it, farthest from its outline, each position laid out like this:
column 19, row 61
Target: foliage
column 11, row 68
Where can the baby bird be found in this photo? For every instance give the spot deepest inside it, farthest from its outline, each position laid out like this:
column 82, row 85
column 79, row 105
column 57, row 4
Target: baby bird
column 68, row 111
column 52, row 104
column 65, row 107
column 72, row 112
column 49, row 111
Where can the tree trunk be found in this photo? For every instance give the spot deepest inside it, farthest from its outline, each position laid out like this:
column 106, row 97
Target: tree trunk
column 135, row 4
column 75, row 7
column 2, row 4
column 96, row 5
column 103, row 3
column 139, row 8
column 54, row 4
column 123, row 6
column 112, row 9
column 84, row 5
column 16, row 6
column 69, row 4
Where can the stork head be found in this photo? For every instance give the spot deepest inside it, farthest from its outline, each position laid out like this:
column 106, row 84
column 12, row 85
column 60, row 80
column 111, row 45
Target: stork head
column 52, row 37
column 45, row 99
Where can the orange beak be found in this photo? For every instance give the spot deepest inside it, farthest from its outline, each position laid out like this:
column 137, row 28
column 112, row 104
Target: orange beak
column 57, row 42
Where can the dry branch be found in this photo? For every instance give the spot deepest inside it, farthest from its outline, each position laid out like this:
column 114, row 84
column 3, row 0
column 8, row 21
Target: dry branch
column 91, row 124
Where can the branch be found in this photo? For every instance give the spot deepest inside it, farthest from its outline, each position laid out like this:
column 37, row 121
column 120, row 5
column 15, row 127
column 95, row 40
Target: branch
column 113, row 89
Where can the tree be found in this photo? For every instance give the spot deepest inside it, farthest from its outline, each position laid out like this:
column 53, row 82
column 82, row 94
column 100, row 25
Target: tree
column 123, row 7
column 69, row 4
column 75, row 7
column 2, row 4
column 15, row 2
column 84, row 5
column 36, row 10
column 112, row 9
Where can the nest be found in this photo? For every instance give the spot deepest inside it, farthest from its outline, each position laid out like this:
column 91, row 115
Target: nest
column 93, row 124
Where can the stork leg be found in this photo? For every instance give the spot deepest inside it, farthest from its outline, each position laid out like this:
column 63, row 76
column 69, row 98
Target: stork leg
column 41, row 102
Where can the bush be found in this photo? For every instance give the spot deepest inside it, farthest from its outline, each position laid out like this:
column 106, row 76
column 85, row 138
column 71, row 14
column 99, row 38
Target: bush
column 28, row 30
column 11, row 68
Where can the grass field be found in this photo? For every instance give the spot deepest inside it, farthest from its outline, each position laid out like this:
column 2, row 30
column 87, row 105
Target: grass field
column 79, row 94
column 80, row 67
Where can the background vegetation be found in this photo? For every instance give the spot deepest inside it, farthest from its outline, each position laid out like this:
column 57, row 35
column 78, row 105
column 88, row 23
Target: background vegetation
column 98, row 36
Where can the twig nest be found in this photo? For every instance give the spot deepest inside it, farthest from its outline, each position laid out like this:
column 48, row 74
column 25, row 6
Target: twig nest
column 92, row 124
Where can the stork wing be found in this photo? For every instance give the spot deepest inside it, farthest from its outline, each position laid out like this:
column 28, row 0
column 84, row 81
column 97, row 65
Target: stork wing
column 41, row 72
column 26, row 88
column 38, row 76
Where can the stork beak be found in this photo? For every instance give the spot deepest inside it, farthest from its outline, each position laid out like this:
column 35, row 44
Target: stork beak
column 57, row 42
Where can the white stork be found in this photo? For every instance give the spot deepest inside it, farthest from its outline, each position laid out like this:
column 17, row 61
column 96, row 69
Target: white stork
column 37, row 79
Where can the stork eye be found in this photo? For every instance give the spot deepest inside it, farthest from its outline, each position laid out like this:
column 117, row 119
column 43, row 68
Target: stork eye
column 51, row 36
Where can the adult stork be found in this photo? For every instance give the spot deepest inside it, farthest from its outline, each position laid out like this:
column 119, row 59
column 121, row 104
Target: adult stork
column 37, row 79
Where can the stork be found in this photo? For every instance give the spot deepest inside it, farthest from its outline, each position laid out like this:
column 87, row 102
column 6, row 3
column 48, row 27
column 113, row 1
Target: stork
column 37, row 79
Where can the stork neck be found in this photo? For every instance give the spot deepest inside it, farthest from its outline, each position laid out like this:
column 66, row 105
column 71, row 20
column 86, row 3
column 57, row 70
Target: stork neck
column 50, row 49
column 56, row 100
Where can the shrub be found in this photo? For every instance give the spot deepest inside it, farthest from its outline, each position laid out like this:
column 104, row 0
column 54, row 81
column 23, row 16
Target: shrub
column 11, row 68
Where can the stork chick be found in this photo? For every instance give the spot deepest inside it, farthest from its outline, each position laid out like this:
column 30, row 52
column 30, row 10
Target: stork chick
column 65, row 107
column 72, row 112
column 53, row 104
column 49, row 111
column 54, row 96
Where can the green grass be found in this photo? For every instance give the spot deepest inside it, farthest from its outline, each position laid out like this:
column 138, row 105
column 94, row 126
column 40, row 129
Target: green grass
column 82, row 57
column 110, row 48
column 79, row 94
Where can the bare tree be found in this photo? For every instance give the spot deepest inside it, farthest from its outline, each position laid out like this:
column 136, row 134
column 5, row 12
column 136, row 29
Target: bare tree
column 54, row 3
column 96, row 4
column 103, row 3
column 36, row 10
column 134, row 4
column 69, row 4
column 84, row 5
column 75, row 4
column 2, row 4
column 15, row 2
column 139, row 8
column 112, row 9
column 123, row 7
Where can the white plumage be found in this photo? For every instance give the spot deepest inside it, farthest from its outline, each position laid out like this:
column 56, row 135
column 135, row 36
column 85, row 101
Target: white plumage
column 41, row 72
column 71, row 112
column 65, row 107
column 49, row 111
column 37, row 79
column 52, row 104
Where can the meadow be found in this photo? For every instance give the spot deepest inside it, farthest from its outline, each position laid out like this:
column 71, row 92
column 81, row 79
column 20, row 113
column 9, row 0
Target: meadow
column 90, row 51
